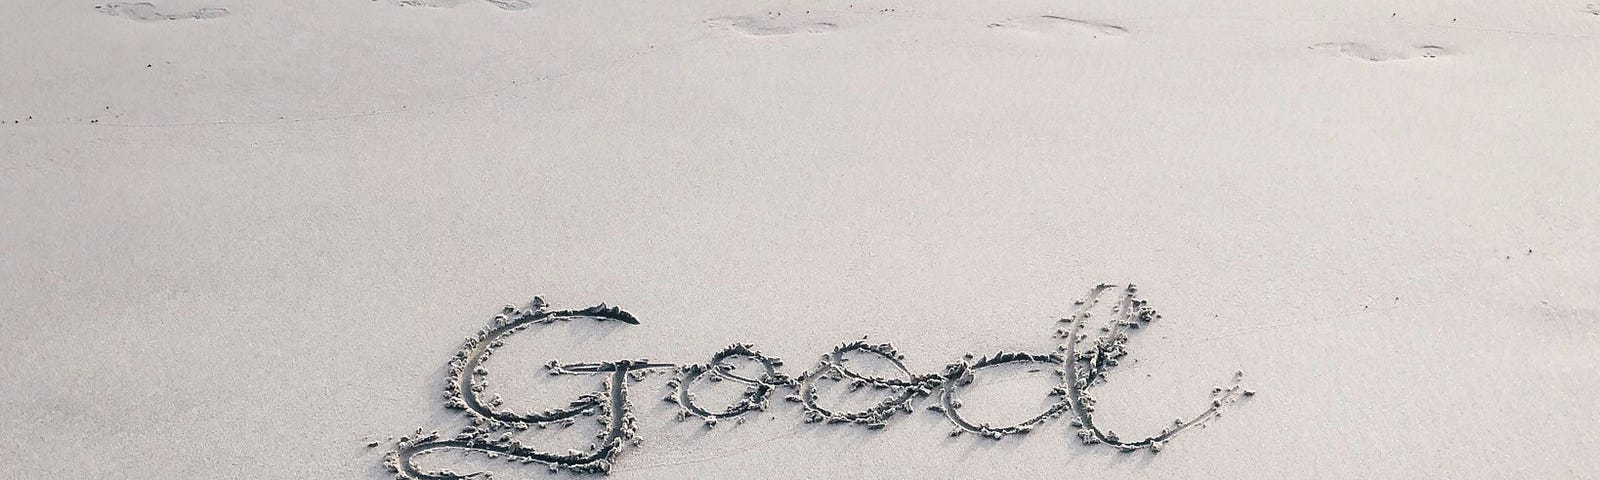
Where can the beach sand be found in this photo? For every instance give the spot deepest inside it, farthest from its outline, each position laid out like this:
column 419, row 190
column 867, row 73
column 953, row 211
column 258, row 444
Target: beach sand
column 243, row 240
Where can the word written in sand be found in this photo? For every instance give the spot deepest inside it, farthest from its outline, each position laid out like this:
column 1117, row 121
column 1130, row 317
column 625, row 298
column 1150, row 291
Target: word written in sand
column 1081, row 361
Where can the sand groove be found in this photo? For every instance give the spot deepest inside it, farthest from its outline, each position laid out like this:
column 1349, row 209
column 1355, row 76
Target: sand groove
column 467, row 381
column 1090, row 365
column 1087, row 368
column 1080, row 362
column 757, row 391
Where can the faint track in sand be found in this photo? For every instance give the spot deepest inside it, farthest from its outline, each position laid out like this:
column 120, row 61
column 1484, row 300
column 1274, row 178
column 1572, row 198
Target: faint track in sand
column 774, row 25
column 1379, row 53
column 1045, row 24
column 147, row 12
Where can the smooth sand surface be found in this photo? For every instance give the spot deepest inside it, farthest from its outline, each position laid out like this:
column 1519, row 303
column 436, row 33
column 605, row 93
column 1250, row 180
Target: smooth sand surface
column 242, row 240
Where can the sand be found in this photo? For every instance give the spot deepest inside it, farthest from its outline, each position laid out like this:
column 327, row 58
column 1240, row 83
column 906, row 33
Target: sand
column 244, row 239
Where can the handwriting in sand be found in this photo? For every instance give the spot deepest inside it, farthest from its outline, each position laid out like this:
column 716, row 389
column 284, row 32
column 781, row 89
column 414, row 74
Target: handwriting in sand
column 1081, row 361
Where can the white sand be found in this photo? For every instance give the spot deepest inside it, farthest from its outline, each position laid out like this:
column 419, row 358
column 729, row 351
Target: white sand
column 242, row 245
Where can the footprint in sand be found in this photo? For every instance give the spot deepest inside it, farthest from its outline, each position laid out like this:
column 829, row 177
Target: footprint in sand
column 1592, row 9
column 772, row 24
column 1375, row 53
column 1053, row 23
column 145, row 12
column 502, row 4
